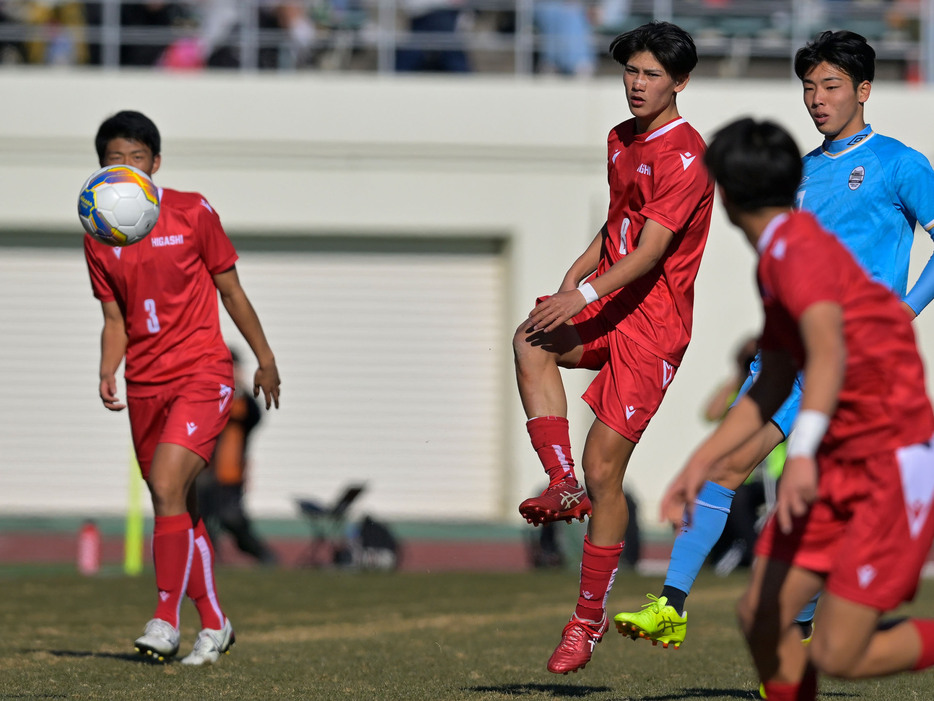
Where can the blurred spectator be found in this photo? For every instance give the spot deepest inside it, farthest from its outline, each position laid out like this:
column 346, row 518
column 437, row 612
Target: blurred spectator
column 10, row 51
column 149, row 14
column 567, row 42
column 441, row 17
column 62, row 42
column 222, row 485
column 216, row 45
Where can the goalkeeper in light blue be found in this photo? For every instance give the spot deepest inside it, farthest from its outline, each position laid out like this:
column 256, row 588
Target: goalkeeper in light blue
column 871, row 191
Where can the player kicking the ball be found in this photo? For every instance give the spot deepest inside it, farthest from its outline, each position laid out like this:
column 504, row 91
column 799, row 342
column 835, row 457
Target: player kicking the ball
column 853, row 516
column 159, row 298
column 624, row 308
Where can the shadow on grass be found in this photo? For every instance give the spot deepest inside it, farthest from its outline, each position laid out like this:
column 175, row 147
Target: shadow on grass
column 568, row 691
column 565, row 691
column 125, row 656
column 686, row 694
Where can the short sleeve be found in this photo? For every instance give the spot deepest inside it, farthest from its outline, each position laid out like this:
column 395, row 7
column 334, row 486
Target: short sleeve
column 914, row 185
column 217, row 250
column 681, row 182
column 799, row 273
column 100, row 280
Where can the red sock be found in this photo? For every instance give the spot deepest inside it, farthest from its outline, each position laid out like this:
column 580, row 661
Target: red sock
column 925, row 628
column 552, row 442
column 201, row 588
column 171, row 556
column 805, row 690
column 598, row 570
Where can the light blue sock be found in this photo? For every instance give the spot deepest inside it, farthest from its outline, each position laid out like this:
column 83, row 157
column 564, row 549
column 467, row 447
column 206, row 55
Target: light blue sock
column 807, row 613
column 693, row 544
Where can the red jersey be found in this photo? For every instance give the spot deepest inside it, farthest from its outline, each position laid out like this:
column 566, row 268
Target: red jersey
column 882, row 404
column 166, row 292
column 658, row 175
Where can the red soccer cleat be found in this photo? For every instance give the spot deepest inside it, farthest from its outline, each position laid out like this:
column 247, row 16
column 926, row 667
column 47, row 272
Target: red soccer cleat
column 578, row 639
column 561, row 501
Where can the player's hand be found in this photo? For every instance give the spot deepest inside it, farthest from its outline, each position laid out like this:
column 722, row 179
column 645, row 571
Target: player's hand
column 555, row 310
column 108, row 393
column 797, row 490
column 266, row 378
column 677, row 504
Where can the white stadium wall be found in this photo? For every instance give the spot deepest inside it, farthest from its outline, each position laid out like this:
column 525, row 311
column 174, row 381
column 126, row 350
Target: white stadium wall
column 393, row 231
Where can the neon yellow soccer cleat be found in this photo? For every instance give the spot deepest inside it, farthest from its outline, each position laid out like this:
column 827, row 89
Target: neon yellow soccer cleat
column 657, row 621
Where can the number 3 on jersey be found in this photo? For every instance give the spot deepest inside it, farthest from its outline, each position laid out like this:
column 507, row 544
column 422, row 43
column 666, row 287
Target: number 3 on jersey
column 152, row 323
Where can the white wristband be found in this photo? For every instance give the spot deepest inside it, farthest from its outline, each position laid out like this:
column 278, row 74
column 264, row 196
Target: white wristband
column 807, row 434
column 590, row 294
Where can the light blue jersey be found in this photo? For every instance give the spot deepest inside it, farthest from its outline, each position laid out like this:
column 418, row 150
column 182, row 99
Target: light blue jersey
column 870, row 190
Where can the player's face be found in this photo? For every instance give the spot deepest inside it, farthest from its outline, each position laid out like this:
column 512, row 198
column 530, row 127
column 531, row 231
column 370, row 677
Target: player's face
column 128, row 152
column 650, row 91
column 833, row 103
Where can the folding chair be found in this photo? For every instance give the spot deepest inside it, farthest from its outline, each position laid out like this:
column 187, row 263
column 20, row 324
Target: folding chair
column 327, row 526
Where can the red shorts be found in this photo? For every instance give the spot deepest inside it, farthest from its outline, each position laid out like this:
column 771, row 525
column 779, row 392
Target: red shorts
column 631, row 382
column 190, row 413
column 870, row 530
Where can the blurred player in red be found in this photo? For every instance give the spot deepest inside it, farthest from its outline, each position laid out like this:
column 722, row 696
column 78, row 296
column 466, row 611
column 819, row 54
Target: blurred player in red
column 853, row 513
column 159, row 299
column 624, row 308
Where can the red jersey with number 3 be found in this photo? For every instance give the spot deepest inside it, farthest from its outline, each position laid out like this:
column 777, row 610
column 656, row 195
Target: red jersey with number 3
column 882, row 404
column 165, row 290
column 658, row 175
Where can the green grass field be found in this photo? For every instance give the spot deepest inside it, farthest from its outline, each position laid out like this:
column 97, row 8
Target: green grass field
column 345, row 635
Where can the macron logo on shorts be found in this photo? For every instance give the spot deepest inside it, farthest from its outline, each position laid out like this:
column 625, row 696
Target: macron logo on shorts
column 191, row 426
column 668, row 373
column 226, row 392
column 630, row 410
column 916, row 465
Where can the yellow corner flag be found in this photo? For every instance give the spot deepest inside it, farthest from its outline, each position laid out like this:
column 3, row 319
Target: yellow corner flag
column 133, row 531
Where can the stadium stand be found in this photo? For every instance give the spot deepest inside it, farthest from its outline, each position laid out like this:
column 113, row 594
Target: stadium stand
column 735, row 38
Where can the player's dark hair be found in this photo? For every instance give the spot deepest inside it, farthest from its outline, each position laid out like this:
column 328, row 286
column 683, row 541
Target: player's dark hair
column 668, row 43
column 757, row 164
column 134, row 126
column 845, row 50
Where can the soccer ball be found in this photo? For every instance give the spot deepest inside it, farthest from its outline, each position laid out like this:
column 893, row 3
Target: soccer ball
column 118, row 205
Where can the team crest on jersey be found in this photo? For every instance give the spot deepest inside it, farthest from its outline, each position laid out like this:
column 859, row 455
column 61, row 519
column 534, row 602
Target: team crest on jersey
column 856, row 177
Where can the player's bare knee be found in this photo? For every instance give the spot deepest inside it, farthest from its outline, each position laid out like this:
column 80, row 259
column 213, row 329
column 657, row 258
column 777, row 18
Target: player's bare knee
column 523, row 349
column 829, row 658
column 603, row 480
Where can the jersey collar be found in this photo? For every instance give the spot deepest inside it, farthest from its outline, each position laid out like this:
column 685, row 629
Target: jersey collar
column 835, row 148
column 659, row 131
